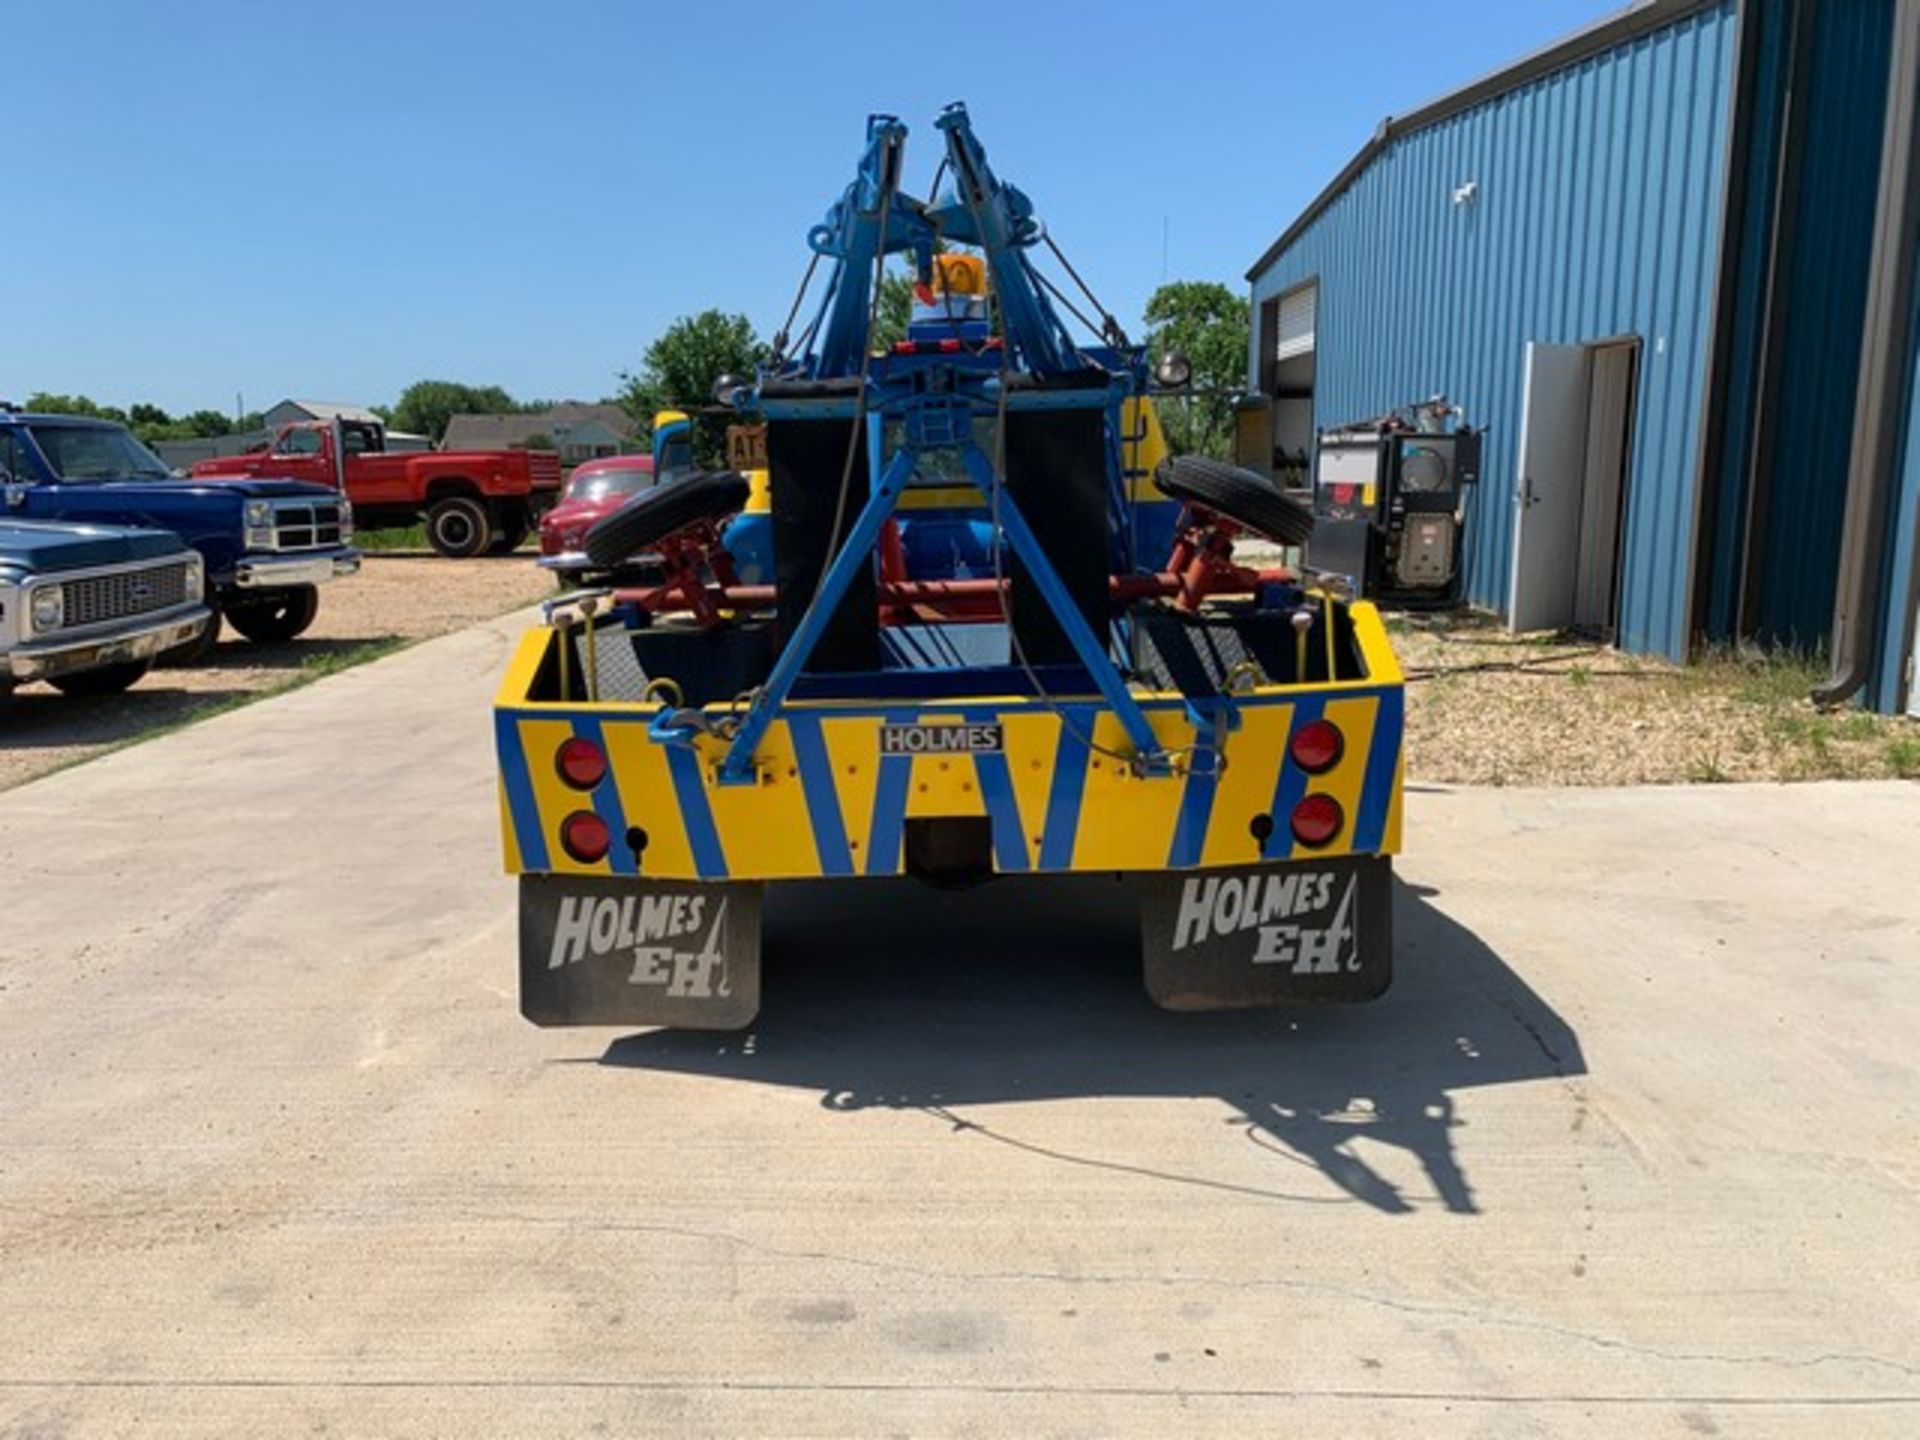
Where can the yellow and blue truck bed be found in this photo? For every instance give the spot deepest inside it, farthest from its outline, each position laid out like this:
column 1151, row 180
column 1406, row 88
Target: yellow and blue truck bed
column 1261, row 858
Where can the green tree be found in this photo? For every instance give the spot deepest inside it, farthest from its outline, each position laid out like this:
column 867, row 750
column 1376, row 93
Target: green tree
column 1209, row 324
column 895, row 310
column 539, row 440
column 207, row 423
column 43, row 403
column 425, row 407
column 679, row 368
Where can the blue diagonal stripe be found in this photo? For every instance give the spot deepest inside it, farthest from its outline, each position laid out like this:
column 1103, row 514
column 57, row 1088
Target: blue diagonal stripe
column 1291, row 783
column 996, row 788
column 1382, row 759
column 519, row 785
column 823, row 798
column 1067, row 789
column 889, row 806
column 1196, row 811
column 683, row 766
column 606, row 801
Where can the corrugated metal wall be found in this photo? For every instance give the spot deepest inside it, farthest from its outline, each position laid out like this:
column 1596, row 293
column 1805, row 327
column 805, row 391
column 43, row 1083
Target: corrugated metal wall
column 1596, row 215
column 1821, row 279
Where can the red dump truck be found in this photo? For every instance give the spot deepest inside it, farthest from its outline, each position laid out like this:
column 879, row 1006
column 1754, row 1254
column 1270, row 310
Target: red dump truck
column 472, row 501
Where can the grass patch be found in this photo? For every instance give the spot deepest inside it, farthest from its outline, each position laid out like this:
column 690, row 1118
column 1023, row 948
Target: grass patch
column 1902, row 757
column 410, row 537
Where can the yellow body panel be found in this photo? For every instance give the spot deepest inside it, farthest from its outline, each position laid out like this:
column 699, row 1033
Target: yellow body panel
column 827, row 802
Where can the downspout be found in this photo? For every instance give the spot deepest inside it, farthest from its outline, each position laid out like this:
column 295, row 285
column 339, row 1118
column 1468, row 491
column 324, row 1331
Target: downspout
column 1879, row 403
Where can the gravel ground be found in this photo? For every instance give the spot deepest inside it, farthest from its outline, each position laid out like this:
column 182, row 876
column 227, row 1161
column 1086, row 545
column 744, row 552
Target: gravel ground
column 399, row 595
column 1488, row 708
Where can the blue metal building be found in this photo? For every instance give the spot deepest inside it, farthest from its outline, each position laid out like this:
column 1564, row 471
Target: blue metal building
column 1668, row 262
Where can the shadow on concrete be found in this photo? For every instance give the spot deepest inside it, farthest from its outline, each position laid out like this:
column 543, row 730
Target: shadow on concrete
column 897, row 996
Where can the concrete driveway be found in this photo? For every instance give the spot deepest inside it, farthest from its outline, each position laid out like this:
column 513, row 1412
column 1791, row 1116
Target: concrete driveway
column 1630, row 1149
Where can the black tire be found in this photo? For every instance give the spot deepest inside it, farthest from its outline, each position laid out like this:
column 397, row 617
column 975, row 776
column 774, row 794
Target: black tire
column 514, row 528
column 459, row 527
column 196, row 649
column 107, row 680
column 652, row 515
column 277, row 615
column 1238, row 494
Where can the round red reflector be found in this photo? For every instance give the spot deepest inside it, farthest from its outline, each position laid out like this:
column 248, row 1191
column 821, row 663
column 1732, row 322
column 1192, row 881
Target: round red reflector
column 584, row 836
column 1317, row 746
column 581, row 763
column 1317, row 819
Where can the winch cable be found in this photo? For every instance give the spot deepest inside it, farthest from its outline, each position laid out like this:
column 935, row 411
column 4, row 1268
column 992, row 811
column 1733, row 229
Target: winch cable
column 1113, row 334
column 1000, row 586
column 780, row 339
column 855, row 438
column 1071, row 308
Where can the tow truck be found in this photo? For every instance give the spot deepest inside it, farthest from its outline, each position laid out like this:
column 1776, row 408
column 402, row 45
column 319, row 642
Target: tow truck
column 1005, row 634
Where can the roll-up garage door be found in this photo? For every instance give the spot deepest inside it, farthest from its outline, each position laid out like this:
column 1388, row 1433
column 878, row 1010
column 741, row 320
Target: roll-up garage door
column 1296, row 322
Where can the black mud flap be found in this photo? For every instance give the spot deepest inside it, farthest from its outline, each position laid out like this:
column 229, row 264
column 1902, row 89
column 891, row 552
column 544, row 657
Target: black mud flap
column 1304, row 932
column 639, row 952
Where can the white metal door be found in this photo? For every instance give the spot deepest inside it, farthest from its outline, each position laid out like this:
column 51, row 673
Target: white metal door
column 1547, row 491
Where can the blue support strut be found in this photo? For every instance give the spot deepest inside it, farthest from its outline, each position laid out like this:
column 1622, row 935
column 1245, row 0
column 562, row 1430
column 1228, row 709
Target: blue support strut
column 857, row 550
column 1148, row 753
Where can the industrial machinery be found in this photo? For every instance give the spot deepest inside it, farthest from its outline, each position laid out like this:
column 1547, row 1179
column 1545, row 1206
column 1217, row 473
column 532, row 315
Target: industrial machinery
column 1389, row 501
column 1004, row 635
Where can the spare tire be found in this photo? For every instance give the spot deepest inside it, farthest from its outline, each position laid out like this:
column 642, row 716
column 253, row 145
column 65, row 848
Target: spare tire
column 652, row 515
column 1240, row 495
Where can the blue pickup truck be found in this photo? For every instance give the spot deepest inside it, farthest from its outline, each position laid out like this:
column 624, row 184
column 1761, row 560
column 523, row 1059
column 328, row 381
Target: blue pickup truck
column 268, row 544
column 87, row 608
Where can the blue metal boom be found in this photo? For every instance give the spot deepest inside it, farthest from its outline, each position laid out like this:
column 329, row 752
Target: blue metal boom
column 982, row 210
column 872, row 217
column 937, row 394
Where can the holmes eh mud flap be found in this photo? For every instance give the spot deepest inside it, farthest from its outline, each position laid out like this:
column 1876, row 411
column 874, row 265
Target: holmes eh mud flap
column 639, row 952
column 1299, row 933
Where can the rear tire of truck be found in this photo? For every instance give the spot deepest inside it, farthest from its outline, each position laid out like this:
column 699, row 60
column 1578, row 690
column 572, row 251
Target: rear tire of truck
column 652, row 515
column 107, row 680
column 196, row 649
column 513, row 531
column 1240, row 495
column 277, row 616
column 459, row 527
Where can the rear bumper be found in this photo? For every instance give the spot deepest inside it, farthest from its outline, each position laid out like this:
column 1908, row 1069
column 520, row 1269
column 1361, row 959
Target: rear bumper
column 140, row 640
column 843, row 787
column 278, row 572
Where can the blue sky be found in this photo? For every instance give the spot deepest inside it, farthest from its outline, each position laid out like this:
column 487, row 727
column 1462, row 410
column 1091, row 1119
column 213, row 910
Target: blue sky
column 329, row 201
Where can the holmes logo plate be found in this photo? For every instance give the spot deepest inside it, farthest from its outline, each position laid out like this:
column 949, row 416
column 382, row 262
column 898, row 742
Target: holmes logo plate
column 947, row 739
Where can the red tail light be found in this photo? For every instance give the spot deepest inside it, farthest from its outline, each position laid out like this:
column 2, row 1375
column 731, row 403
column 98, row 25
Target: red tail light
column 1316, row 820
column 584, row 836
column 581, row 763
column 1317, row 746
